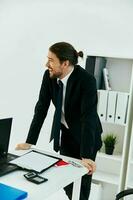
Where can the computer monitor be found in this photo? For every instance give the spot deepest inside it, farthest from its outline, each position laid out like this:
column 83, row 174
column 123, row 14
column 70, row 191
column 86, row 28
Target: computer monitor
column 5, row 131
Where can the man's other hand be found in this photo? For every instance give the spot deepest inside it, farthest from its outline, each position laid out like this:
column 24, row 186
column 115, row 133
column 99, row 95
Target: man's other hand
column 89, row 164
column 23, row 146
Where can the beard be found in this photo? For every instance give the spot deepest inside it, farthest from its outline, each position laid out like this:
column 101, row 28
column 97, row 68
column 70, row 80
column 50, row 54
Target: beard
column 54, row 75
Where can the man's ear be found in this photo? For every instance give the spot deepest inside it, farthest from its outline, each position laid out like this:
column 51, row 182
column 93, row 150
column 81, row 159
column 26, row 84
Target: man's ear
column 66, row 63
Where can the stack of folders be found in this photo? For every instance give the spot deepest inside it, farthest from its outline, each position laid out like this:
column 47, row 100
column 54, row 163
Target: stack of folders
column 11, row 193
column 112, row 106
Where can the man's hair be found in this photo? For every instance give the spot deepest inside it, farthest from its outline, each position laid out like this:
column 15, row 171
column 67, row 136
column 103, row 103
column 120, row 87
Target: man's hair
column 65, row 51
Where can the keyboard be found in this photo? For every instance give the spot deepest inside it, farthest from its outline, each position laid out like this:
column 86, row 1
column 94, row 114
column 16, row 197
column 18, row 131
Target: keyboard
column 5, row 167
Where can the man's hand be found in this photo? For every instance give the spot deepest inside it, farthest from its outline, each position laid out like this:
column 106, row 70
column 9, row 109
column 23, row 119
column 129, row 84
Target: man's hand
column 90, row 164
column 23, row 146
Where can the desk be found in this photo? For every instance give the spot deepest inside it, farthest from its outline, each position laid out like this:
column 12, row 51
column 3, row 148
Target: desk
column 58, row 177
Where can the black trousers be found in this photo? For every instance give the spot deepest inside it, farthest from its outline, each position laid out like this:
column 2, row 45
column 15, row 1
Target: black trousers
column 70, row 148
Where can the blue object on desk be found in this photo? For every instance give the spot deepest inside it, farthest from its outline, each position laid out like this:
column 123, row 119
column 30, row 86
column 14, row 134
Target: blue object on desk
column 11, row 193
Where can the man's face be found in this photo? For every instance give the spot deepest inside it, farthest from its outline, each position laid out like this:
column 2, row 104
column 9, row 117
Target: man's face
column 54, row 66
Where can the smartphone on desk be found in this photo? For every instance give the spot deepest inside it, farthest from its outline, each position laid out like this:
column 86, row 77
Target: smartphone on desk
column 35, row 178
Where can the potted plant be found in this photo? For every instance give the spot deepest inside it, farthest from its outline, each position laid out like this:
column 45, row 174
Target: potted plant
column 109, row 141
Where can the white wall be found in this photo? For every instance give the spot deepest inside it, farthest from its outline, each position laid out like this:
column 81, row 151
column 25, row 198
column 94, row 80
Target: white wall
column 29, row 27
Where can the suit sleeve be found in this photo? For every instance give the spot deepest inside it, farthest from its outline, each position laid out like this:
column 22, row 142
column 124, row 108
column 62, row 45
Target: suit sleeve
column 89, row 118
column 40, row 111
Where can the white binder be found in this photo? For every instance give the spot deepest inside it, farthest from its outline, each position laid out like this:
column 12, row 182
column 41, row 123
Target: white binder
column 112, row 95
column 102, row 104
column 121, row 108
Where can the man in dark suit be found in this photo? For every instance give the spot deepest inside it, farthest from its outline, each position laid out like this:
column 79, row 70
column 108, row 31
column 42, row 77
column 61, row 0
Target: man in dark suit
column 80, row 126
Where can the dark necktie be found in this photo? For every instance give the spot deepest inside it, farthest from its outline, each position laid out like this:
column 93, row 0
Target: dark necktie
column 55, row 132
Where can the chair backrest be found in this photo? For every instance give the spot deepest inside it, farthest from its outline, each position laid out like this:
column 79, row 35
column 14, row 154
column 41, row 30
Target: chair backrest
column 124, row 193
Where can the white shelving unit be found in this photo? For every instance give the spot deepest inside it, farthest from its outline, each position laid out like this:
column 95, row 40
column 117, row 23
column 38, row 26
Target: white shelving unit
column 111, row 169
column 129, row 177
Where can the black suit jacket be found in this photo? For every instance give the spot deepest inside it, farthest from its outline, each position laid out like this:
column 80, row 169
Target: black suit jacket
column 80, row 110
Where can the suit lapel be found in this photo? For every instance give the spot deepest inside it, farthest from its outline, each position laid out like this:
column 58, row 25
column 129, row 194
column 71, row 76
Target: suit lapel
column 69, row 87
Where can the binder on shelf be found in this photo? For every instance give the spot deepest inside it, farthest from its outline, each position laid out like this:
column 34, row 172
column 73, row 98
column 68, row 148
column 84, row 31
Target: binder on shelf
column 11, row 193
column 106, row 79
column 94, row 65
column 90, row 64
column 98, row 73
column 111, row 108
column 121, row 108
column 102, row 104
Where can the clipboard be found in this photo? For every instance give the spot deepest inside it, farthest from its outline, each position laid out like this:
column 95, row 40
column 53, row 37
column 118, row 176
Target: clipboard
column 35, row 161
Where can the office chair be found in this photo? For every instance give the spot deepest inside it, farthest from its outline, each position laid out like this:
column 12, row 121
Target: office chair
column 124, row 193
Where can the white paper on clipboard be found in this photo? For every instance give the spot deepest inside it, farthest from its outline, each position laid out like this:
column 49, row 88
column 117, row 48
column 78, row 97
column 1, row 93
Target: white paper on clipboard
column 35, row 161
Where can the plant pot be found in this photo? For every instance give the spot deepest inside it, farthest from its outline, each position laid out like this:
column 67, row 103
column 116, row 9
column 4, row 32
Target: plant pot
column 109, row 150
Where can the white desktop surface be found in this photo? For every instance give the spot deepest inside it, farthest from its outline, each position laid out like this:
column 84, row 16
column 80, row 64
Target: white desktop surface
column 58, row 177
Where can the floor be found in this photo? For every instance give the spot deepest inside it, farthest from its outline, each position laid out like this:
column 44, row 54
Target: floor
column 60, row 195
column 96, row 194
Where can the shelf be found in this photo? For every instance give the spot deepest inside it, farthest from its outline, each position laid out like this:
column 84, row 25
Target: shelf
column 106, row 177
column 111, row 157
column 114, row 91
column 114, row 124
column 111, row 169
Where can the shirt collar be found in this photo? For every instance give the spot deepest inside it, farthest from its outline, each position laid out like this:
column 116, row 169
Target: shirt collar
column 65, row 79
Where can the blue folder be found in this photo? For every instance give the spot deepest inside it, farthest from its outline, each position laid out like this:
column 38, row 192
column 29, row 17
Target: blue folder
column 11, row 193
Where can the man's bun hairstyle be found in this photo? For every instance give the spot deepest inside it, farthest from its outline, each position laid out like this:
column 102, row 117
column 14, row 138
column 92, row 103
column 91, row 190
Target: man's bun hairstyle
column 65, row 51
